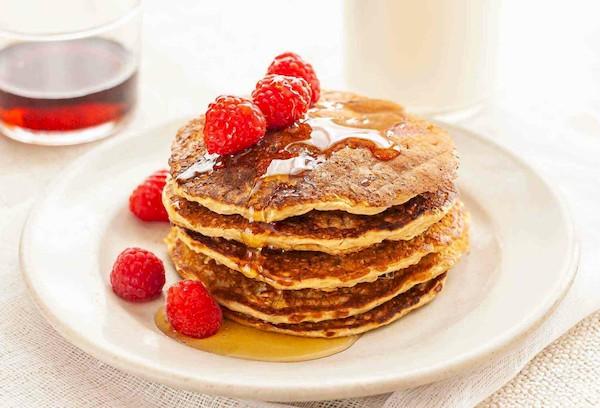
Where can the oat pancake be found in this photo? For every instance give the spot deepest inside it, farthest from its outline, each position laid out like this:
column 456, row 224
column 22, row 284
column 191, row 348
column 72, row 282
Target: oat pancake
column 261, row 301
column 351, row 153
column 318, row 270
column 333, row 232
column 382, row 315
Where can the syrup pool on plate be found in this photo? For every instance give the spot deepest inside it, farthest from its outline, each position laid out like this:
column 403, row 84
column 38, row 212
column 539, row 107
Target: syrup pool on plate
column 236, row 340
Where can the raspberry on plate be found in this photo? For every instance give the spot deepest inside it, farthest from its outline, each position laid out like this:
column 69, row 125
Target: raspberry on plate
column 232, row 124
column 192, row 311
column 282, row 99
column 137, row 275
column 146, row 200
column 292, row 64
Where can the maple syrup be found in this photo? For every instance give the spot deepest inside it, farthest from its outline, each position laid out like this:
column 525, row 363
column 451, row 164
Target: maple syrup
column 305, row 145
column 236, row 340
column 65, row 86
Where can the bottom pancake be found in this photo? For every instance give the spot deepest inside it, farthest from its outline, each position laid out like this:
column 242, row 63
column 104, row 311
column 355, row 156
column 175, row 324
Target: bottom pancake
column 382, row 315
column 264, row 302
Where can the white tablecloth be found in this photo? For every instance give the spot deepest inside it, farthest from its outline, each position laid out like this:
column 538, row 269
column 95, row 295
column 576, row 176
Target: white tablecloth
column 552, row 118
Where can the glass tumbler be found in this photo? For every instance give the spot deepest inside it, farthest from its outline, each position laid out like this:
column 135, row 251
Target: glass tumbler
column 437, row 57
column 68, row 68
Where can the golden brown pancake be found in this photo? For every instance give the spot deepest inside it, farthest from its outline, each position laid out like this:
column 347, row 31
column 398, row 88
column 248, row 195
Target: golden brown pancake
column 311, row 269
column 259, row 300
column 382, row 315
column 390, row 158
column 333, row 232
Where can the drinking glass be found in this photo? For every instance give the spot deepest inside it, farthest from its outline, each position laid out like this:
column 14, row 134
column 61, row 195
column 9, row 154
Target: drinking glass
column 68, row 68
column 434, row 56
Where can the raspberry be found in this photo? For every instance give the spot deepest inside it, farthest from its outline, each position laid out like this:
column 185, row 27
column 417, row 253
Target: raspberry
column 232, row 124
column 282, row 99
column 192, row 311
column 137, row 275
column 146, row 200
column 291, row 64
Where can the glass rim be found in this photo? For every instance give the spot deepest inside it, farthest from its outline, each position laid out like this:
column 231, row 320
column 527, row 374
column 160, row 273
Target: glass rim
column 75, row 34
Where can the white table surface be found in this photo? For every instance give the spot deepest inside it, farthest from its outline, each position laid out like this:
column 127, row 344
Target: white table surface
column 547, row 109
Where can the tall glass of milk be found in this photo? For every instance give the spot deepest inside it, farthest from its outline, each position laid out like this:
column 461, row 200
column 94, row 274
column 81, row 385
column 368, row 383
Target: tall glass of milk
column 432, row 56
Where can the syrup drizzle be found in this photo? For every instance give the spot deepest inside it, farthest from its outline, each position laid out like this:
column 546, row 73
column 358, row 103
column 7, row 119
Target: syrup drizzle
column 293, row 165
column 303, row 147
column 326, row 135
column 206, row 164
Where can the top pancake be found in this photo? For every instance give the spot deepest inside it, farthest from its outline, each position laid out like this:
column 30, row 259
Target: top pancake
column 338, row 158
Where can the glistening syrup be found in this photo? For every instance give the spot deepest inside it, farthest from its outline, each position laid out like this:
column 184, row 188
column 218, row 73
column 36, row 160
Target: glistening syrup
column 236, row 340
column 305, row 145
column 66, row 85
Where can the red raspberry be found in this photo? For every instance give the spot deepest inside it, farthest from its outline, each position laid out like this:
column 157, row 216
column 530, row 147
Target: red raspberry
column 232, row 124
column 192, row 311
column 291, row 64
column 137, row 275
column 282, row 99
column 146, row 200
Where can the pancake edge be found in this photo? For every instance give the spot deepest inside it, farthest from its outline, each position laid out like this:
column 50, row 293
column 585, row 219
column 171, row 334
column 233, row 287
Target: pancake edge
column 312, row 283
column 329, row 246
column 451, row 255
column 272, row 215
column 332, row 333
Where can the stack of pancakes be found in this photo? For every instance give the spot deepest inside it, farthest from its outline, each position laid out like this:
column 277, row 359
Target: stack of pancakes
column 335, row 226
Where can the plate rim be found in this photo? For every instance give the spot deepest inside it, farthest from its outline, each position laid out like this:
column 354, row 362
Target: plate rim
column 348, row 389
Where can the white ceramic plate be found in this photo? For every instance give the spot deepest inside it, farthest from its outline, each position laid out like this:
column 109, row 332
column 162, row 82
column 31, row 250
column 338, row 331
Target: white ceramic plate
column 522, row 261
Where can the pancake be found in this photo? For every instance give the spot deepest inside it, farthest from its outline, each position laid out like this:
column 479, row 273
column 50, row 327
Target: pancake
column 317, row 270
column 350, row 153
column 382, row 315
column 333, row 232
column 261, row 301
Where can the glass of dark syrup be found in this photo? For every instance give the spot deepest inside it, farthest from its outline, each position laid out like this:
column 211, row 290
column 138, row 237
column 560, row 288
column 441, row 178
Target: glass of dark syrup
column 72, row 79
